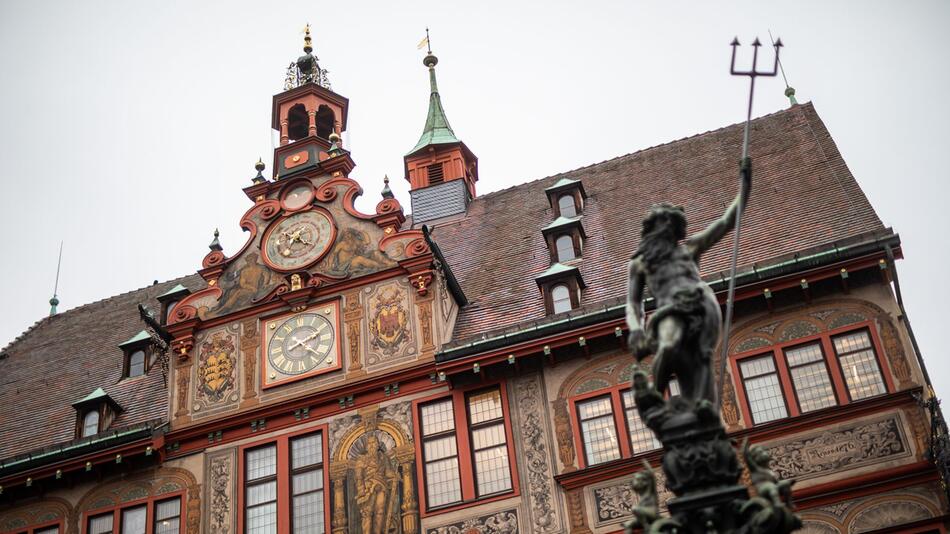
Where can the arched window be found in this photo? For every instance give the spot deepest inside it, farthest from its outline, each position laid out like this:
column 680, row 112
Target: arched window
column 137, row 363
column 90, row 423
column 561, row 298
column 324, row 120
column 298, row 122
column 566, row 205
column 565, row 248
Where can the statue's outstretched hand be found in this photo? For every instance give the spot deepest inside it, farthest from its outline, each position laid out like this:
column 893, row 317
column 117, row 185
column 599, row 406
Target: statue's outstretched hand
column 640, row 343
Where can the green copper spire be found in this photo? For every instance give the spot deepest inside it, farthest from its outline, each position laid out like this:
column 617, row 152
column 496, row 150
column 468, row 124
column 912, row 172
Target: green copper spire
column 437, row 130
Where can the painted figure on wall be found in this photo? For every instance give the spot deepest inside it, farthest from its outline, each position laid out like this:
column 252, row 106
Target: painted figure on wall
column 355, row 254
column 389, row 323
column 374, row 475
column 241, row 286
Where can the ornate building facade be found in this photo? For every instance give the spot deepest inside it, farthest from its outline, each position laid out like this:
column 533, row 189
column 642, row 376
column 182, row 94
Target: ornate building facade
column 463, row 369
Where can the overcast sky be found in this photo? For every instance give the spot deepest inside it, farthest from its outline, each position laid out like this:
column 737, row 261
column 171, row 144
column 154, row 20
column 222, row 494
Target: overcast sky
column 127, row 129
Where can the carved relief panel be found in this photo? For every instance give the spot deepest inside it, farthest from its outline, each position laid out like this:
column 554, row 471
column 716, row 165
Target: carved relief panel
column 215, row 371
column 220, row 510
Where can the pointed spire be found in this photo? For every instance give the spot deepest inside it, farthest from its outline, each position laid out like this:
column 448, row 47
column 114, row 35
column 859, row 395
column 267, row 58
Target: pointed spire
column 259, row 166
column 387, row 192
column 437, row 130
column 53, row 302
column 307, row 44
column 215, row 244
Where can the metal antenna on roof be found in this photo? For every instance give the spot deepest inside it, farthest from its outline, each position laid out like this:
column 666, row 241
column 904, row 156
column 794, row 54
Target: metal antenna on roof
column 745, row 165
column 789, row 90
column 53, row 302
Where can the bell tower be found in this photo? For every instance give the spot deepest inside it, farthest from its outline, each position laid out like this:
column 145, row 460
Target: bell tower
column 308, row 114
column 441, row 170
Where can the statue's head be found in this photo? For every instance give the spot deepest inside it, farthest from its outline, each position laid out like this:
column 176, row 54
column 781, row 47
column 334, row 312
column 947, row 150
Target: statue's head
column 372, row 443
column 760, row 456
column 641, row 481
column 665, row 215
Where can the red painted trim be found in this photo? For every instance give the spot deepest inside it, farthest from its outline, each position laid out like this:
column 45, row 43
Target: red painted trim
column 465, row 458
column 31, row 529
column 127, row 450
column 839, row 385
column 338, row 339
column 149, row 503
column 284, row 509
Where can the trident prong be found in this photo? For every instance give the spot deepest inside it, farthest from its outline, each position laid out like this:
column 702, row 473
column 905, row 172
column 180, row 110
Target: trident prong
column 752, row 73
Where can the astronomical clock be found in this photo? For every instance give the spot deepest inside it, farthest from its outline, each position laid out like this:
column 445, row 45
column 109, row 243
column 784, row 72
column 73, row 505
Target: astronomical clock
column 301, row 344
column 298, row 240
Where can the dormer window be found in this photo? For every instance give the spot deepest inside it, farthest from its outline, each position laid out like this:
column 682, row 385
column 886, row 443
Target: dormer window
column 90, row 424
column 95, row 413
column 170, row 299
column 169, row 309
column 565, row 248
column 566, row 205
column 561, row 298
column 567, row 198
column 135, row 351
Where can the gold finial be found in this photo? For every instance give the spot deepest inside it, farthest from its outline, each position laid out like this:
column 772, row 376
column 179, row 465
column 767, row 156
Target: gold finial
column 307, row 46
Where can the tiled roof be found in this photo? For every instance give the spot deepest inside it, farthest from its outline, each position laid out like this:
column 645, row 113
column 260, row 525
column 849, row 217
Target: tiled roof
column 66, row 357
column 803, row 195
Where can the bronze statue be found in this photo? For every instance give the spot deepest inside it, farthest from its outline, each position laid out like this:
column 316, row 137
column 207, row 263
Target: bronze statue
column 647, row 509
column 771, row 510
column 684, row 330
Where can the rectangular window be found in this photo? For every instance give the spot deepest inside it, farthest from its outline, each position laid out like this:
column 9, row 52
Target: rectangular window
column 598, row 430
column 440, row 453
column 813, row 389
column 306, row 463
column 762, row 389
column 168, row 516
column 489, row 445
column 642, row 438
column 859, row 365
column 261, row 490
column 47, row 530
column 100, row 524
column 134, row 520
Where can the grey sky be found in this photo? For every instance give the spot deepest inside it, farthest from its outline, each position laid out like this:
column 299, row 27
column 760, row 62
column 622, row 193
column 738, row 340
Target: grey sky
column 128, row 129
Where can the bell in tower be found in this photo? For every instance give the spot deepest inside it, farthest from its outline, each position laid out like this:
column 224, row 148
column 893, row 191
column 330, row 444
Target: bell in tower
column 310, row 117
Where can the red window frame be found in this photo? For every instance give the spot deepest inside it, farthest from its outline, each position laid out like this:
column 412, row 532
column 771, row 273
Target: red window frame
column 620, row 423
column 284, row 473
column 789, row 394
column 58, row 523
column 149, row 503
column 466, row 453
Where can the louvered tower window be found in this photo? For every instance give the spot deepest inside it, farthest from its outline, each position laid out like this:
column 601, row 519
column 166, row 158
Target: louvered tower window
column 436, row 173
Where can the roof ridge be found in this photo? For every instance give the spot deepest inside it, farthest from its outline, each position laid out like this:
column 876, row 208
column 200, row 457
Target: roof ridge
column 642, row 150
column 103, row 300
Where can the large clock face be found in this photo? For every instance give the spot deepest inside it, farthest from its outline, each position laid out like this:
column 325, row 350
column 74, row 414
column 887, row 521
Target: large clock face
column 298, row 240
column 301, row 344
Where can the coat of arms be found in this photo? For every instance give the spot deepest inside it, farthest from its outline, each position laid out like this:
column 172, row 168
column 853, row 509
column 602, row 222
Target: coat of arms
column 390, row 322
column 216, row 367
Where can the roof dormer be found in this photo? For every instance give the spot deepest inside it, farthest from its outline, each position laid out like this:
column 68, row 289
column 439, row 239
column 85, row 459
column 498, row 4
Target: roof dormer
column 565, row 238
column 567, row 198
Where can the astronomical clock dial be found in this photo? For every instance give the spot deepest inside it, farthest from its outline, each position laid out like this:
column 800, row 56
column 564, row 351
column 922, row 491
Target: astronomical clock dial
column 301, row 345
column 297, row 241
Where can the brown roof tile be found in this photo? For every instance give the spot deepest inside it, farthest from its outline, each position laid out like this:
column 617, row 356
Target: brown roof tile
column 63, row 358
column 803, row 195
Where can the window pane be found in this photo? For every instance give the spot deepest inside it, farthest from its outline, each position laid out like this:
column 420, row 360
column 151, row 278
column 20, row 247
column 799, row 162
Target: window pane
column 47, row 530
column 167, row 516
column 565, row 248
column 261, row 493
column 442, row 482
column 308, row 482
column 262, row 462
column 765, row 394
column 484, row 406
column 561, row 298
column 308, row 513
column 491, row 470
column 307, row 450
column 133, row 520
column 566, row 205
column 262, row 519
column 641, row 437
column 859, row 365
column 90, row 424
column 100, row 524
column 598, row 430
column 483, row 438
column 171, row 309
column 437, row 417
column 439, row 448
column 137, row 363
column 810, row 377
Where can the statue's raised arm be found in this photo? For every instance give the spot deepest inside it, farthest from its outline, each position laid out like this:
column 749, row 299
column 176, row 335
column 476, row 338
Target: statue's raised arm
column 703, row 241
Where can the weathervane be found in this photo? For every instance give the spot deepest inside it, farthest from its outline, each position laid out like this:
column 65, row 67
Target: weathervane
column 745, row 164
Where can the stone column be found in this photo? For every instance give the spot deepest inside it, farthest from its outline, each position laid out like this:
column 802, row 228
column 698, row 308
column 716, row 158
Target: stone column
column 410, row 507
column 312, row 123
column 338, row 480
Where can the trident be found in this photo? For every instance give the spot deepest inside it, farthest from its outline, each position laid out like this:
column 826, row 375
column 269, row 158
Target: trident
column 745, row 165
